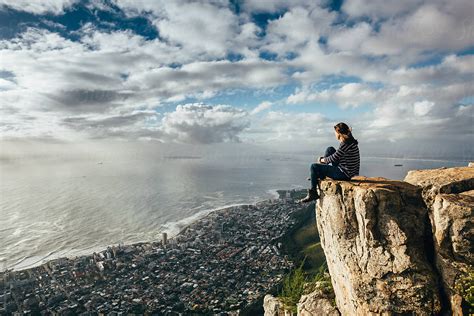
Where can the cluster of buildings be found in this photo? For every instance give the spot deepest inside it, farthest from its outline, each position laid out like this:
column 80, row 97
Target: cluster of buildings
column 220, row 264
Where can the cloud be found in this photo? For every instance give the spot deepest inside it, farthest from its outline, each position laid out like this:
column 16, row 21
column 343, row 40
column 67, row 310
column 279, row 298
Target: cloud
column 422, row 108
column 199, row 27
column 411, row 29
column 48, row 75
column 204, row 124
column 350, row 94
column 404, row 67
column 194, row 123
column 199, row 77
column 378, row 9
column 38, row 7
column 138, row 124
column 275, row 6
column 265, row 105
column 295, row 28
column 295, row 127
column 204, row 28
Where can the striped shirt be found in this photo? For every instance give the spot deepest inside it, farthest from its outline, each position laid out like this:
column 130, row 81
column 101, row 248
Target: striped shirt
column 348, row 157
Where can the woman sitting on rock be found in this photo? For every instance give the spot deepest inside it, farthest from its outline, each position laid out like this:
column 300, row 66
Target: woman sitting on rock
column 340, row 164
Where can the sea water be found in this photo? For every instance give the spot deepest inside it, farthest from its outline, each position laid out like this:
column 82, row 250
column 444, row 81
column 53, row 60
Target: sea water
column 50, row 209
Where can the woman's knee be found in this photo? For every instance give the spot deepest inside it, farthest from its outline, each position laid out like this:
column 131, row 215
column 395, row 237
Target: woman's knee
column 315, row 168
column 329, row 151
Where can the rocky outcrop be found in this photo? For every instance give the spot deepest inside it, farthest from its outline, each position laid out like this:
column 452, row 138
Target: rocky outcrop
column 273, row 306
column 373, row 232
column 396, row 247
column 442, row 181
column 318, row 302
column 450, row 200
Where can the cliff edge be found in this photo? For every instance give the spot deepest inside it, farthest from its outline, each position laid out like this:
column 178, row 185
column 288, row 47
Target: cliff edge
column 374, row 234
column 397, row 247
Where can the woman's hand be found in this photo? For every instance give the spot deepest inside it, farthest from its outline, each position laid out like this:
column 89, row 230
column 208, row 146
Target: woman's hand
column 321, row 160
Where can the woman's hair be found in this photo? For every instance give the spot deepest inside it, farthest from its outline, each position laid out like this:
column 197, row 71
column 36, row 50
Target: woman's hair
column 345, row 132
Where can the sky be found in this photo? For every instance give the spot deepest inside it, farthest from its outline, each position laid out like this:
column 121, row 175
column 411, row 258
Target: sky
column 278, row 74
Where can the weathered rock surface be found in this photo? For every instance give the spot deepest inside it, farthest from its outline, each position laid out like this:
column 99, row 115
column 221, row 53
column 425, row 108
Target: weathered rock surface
column 373, row 232
column 442, row 180
column 453, row 229
column 318, row 302
column 273, row 306
column 450, row 197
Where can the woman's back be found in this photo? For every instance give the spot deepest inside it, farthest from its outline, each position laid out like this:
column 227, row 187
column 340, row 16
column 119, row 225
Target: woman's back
column 349, row 161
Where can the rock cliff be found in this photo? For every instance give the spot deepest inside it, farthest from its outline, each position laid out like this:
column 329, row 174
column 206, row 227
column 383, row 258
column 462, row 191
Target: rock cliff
column 397, row 247
column 374, row 233
column 449, row 196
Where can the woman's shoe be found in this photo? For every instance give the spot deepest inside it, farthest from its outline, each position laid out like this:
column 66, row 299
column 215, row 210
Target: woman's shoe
column 312, row 196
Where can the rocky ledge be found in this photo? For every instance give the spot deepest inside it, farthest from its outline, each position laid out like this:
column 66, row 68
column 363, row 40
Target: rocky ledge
column 397, row 247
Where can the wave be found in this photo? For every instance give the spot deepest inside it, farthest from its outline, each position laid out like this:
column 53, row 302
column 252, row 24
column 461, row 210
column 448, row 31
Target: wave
column 173, row 228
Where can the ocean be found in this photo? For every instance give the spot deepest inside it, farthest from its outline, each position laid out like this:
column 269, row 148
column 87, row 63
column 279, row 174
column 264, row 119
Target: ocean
column 53, row 208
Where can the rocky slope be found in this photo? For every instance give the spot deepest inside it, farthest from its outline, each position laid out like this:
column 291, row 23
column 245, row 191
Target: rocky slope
column 396, row 247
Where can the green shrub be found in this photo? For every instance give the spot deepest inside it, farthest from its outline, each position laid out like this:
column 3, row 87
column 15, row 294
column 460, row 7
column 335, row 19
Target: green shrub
column 464, row 286
column 293, row 288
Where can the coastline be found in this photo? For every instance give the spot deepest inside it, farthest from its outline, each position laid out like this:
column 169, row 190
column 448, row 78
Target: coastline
column 172, row 228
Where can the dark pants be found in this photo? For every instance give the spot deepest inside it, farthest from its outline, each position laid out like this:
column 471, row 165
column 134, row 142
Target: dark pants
column 321, row 171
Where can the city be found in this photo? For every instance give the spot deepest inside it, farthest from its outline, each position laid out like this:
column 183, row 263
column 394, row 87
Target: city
column 220, row 264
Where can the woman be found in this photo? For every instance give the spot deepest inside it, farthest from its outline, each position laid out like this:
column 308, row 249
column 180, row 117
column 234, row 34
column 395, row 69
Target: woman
column 340, row 164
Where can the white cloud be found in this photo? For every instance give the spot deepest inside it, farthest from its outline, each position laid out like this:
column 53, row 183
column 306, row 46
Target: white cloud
column 378, row 9
column 350, row 94
column 423, row 107
column 296, row 28
column 281, row 126
column 405, row 57
column 432, row 26
column 265, row 105
column 204, row 124
column 273, row 6
column 38, row 7
column 197, row 77
column 199, row 27
column 101, row 69
column 208, row 29
column 350, row 39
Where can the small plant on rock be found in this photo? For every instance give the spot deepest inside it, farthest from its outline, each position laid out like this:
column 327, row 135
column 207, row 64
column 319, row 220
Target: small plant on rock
column 465, row 287
column 293, row 288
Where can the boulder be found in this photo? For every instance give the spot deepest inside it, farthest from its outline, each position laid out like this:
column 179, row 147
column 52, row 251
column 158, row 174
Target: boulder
column 273, row 306
column 441, row 180
column 374, row 234
column 318, row 302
